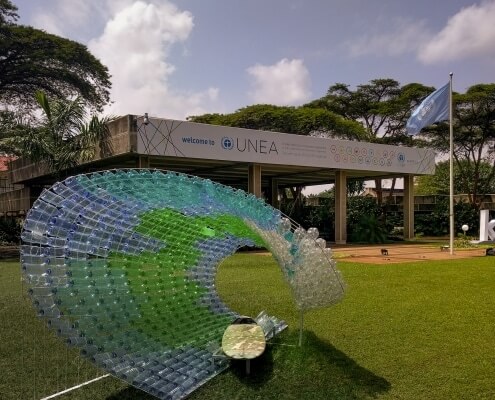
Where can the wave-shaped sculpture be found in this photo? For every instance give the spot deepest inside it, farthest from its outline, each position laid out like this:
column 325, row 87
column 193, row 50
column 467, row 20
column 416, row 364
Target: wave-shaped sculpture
column 122, row 264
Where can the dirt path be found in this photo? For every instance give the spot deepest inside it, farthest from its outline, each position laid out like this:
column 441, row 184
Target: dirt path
column 399, row 253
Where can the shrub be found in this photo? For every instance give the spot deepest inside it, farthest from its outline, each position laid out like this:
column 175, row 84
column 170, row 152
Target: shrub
column 464, row 242
column 10, row 230
column 436, row 222
column 368, row 230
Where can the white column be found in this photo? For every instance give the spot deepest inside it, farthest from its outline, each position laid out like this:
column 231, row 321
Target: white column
column 254, row 179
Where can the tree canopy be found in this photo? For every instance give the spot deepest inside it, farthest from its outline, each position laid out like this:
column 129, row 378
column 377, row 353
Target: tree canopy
column 382, row 106
column 474, row 136
column 8, row 12
column 32, row 60
column 439, row 183
column 60, row 138
column 296, row 120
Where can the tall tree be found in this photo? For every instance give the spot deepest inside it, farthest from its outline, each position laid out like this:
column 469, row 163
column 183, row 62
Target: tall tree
column 474, row 137
column 61, row 138
column 382, row 106
column 31, row 60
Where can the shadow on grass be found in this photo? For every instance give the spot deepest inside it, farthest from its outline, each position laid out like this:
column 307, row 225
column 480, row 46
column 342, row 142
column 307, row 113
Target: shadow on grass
column 261, row 369
column 317, row 370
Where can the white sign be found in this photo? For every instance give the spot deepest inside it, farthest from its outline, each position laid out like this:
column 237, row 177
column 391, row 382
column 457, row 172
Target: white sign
column 186, row 139
column 487, row 227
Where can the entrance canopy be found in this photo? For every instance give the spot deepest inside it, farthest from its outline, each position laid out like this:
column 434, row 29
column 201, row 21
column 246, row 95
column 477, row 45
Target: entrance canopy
column 256, row 161
column 224, row 154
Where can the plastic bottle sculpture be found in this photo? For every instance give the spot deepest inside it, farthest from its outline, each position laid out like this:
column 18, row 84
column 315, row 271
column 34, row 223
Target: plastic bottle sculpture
column 122, row 265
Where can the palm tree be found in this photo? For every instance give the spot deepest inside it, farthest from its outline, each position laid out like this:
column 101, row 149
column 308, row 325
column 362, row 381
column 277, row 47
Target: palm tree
column 60, row 139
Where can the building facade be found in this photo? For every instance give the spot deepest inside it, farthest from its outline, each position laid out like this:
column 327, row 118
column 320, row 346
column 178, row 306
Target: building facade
column 259, row 162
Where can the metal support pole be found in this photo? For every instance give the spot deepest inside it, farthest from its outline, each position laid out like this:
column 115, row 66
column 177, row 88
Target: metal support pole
column 451, row 197
column 301, row 325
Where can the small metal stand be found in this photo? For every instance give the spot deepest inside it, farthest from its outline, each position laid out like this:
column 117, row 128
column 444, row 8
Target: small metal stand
column 301, row 325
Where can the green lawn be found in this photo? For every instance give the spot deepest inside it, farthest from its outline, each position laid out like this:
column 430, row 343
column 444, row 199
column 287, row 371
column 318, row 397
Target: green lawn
column 421, row 330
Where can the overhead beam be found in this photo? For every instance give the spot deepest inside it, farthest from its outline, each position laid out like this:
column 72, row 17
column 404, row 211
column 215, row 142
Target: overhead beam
column 218, row 168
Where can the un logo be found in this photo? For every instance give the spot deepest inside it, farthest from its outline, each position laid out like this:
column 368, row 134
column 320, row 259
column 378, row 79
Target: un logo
column 401, row 157
column 227, row 143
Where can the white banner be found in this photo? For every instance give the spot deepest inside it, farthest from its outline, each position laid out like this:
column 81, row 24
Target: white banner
column 162, row 137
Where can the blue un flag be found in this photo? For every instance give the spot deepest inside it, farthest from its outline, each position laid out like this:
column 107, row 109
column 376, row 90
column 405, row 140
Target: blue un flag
column 433, row 109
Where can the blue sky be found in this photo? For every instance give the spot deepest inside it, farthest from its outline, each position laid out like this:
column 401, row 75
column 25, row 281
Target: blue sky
column 177, row 58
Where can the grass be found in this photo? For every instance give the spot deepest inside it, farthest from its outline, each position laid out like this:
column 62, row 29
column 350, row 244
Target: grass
column 422, row 330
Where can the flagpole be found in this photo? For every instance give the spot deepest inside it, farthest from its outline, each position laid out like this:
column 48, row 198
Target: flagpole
column 451, row 197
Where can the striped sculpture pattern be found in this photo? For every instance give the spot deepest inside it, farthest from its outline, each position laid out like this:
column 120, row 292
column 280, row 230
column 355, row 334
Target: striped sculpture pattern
column 121, row 264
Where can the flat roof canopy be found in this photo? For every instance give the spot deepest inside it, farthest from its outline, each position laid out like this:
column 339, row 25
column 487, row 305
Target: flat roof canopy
column 223, row 154
column 253, row 160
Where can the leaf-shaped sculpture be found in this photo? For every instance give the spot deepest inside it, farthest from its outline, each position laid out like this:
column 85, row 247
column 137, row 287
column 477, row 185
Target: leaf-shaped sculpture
column 122, row 264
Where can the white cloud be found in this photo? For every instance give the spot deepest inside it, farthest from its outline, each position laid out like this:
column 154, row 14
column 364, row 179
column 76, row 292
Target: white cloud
column 48, row 23
column 135, row 45
column 64, row 17
column 284, row 83
column 405, row 36
column 76, row 11
column 133, row 38
column 470, row 32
